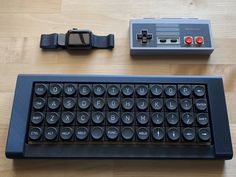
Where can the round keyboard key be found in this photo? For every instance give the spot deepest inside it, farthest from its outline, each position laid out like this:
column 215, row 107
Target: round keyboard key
column 173, row 134
column 97, row 133
column 98, row 103
column 157, row 104
column 127, row 118
column 52, row 118
column 84, row 89
column 142, row 133
column 186, row 104
column 185, row 90
column 39, row 103
column 187, row 118
column 98, row 117
column 156, row 90
column 127, row 90
column 54, row 103
column 37, row 118
column 172, row 118
column 171, row 104
column 201, row 104
column 35, row 133
column 112, row 133
column 81, row 133
column 84, row 103
column 202, row 119
column 83, row 117
column 40, row 89
column 157, row 118
column 142, row 104
column 55, row 89
column 158, row 133
column 68, row 117
column 50, row 133
column 189, row 134
column 69, row 103
column 127, row 133
column 127, row 103
column 113, row 117
column 70, row 89
column 113, row 103
column 199, row 90
column 204, row 134
column 99, row 90
column 66, row 133
column 113, row 90
column 170, row 90
column 142, row 90
column 142, row 118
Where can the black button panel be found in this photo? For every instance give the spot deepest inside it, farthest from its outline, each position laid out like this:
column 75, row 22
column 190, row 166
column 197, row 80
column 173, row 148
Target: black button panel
column 119, row 112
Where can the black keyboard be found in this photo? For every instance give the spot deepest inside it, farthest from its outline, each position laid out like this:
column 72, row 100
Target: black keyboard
column 101, row 116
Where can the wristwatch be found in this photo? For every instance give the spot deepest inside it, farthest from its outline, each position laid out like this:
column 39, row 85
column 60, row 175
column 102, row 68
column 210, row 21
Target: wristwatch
column 76, row 39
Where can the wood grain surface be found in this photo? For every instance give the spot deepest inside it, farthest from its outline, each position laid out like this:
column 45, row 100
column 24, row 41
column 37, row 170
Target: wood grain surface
column 22, row 22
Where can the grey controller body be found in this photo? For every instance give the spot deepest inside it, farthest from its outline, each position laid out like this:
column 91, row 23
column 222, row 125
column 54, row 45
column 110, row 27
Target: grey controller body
column 171, row 36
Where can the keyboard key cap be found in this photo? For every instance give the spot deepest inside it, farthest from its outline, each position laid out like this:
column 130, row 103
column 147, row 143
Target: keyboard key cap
column 55, row 89
column 142, row 118
column 37, row 118
column 112, row 133
column 202, row 119
column 84, row 89
column 98, row 103
column 39, row 103
column 127, row 118
column 170, row 90
column 156, row 90
column 69, row 103
column 113, row 90
column 54, row 103
column 99, row 89
column 199, row 90
column 141, row 90
column 84, row 103
column 172, row 118
column 70, row 89
column 173, row 133
column 157, row 118
column 97, row 133
column 158, row 133
column 35, row 133
column 68, row 117
column 113, row 117
column 98, row 117
column 187, row 119
column 66, row 133
column 142, row 133
column 185, row 90
column 40, row 89
column 127, row 103
column 171, row 104
column 83, row 117
column 186, row 104
column 127, row 90
column 142, row 104
column 113, row 103
column 127, row 133
column 189, row 134
column 52, row 118
column 81, row 133
column 50, row 133
column 204, row 134
column 201, row 104
column 157, row 104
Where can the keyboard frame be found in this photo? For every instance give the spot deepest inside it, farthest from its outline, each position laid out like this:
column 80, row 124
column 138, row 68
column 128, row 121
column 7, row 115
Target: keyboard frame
column 17, row 147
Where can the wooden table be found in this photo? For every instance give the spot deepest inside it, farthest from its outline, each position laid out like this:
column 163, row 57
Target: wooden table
column 22, row 22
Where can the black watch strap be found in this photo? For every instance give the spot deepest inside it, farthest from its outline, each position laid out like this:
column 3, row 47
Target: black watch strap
column 54, row 41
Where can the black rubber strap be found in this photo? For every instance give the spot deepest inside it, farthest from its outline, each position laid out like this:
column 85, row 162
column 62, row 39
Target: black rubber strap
column 103, row 42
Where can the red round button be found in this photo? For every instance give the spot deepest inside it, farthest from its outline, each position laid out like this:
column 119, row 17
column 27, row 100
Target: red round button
column 199, row 40
column 188, row 40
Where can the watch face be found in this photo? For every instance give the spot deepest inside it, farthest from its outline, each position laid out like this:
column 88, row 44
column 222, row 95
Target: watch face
column 79, row 39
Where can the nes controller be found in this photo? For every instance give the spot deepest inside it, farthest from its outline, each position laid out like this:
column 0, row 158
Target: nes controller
column 170, row 36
